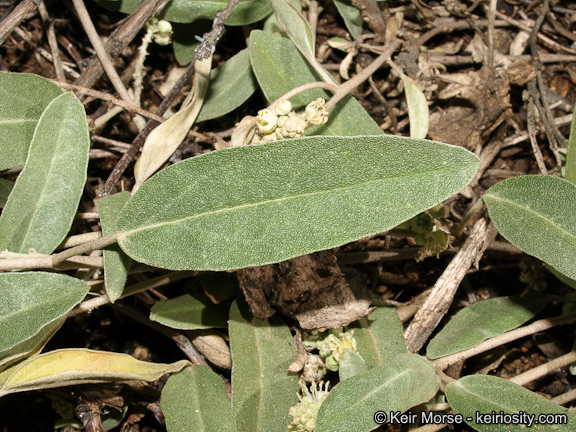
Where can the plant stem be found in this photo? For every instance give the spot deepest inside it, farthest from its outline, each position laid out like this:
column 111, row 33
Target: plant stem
column 107, row 97
column 100, row 243
column 510, row 336
column 348, row 86
column 544, row 369
column 93, row 303
column 304, row 87
column 90, row 30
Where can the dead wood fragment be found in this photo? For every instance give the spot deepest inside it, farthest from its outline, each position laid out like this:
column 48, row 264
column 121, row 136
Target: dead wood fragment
column 439, row 301
column 24, row 10
column 312, row 289
column 373, row 16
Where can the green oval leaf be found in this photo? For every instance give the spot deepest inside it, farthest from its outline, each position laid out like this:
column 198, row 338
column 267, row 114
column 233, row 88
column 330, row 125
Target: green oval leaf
column 195, row 399
column 81, row 366
column 24, row 97
column 351, row 16
column 186, row 11
column 262, row 388
column 190, row 312
column 43, row 202
column 116, row 262
column 484, row 320
column 230, row 86
column 296, row 27
column 401, row 383
column 31, row 301
column 379, row 336
column 480, row 395
column 256, row 205
column 279, row 67
column 537, row 214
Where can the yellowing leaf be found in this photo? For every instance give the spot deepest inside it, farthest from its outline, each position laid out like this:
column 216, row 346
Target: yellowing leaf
column 166, row 138
column 417, row 108
column 81, row 366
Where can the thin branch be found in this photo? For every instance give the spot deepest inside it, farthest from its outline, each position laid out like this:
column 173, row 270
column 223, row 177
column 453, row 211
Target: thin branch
column 95, row 302
column 109, row 98
column 49, row 26
column 94, row 38
column 121, row 37
column 439, row 301
column 497, row 341
column 24, row 10
column 351, row 84
column 100, row 243
column 544, row 369
column 304, row 87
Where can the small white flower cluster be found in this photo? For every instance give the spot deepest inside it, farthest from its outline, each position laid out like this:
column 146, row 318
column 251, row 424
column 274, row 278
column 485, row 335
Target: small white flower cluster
column 161, row 31
column 305, row 413
column 331, row 347
column 283, row 123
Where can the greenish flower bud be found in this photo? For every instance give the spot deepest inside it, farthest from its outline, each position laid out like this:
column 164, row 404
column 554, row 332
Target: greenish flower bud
column 283, row 107
column 162, row 40
column 268, row 137
column 331, row 363
column 323, row 348
column 437, row 212
column 316, row 113
column 305, row 413
column 292, row 126
column 164, row 26
column 266, row 121
column 422, row 223
column 162, row 31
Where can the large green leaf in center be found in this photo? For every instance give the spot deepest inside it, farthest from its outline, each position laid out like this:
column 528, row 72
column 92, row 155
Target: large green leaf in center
column 261, row 204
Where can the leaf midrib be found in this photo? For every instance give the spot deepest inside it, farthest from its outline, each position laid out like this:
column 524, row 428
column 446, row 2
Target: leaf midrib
column 45, row 182
column 536, row 214
column 124, row 234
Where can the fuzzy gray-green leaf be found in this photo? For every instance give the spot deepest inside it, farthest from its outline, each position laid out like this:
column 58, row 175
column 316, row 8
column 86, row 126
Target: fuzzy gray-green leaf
column 256, row 205
column 538, row 215
column 351, row 16
column 379, row 336
column 190, row 312
column 487, row 394
column 230, row 86
column 186, row 11
column 262, row 388
column 296, row 27
column 42, row 205
column 116, row 262
column 279, row 67
column 352, row 364
column 195, row 399
column 482, row 321
column 401, row 383
column 24, row 97
column 31, row 301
